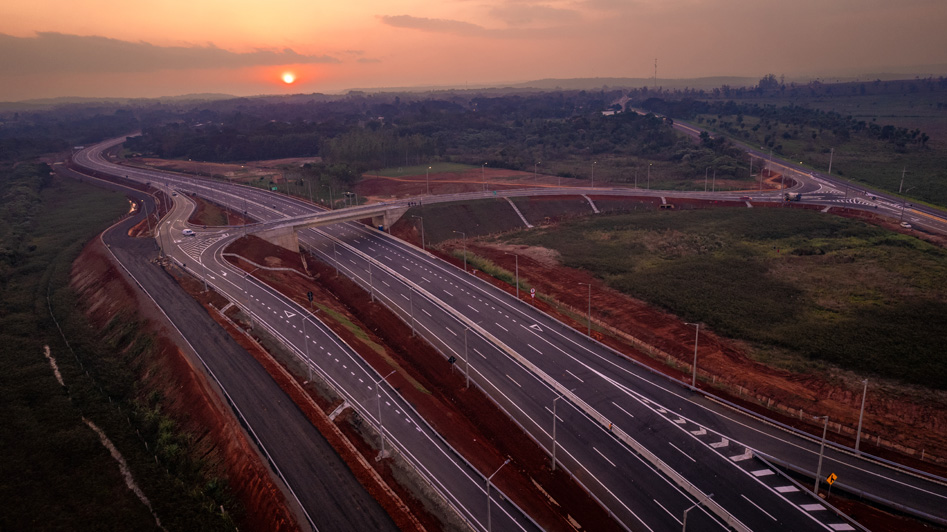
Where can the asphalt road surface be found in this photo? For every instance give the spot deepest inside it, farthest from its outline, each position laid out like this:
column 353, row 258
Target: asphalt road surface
column 331, row 497
column 624, row 432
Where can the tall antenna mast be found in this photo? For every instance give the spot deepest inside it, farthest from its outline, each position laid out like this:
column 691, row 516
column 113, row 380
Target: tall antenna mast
column 655, row 72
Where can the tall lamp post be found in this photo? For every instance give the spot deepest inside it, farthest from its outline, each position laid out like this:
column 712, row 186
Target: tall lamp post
column 554, row 418
column 696, row 337
column 818, row 471
column 467, row 356
column 593, row 173
column 423, row 246
column 427, row 179
column 517, row 257
column 488, row 492
column 465, row 248
column 535, row 174
column 705, row 178
column 483, row 176
column 861, row 415
column 698, row 503
column 381, row 426
column 649, row 176
column 590, row 308
column 904, row 201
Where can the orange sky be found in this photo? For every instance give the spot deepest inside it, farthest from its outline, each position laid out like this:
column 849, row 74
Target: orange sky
column 169, row 47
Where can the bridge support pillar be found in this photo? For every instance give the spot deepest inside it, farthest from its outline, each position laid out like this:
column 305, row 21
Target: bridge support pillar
column 284, row 237
column 389, row 217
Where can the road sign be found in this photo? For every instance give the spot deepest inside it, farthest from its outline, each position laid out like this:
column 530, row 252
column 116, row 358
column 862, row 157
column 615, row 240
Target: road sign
column 451, row 359
column 832, row 478
column 532, row 292
column 309, row 295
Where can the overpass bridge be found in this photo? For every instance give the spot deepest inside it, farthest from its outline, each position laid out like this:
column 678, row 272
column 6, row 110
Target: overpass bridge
column 283, row 232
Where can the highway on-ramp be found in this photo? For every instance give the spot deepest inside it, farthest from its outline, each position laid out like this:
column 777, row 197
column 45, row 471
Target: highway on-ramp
column 607, row 400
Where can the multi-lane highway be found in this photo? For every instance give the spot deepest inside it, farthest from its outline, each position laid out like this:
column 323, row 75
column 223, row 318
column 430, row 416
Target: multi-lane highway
column 647, row 449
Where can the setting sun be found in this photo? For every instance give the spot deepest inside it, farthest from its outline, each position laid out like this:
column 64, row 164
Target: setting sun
column 288, row 77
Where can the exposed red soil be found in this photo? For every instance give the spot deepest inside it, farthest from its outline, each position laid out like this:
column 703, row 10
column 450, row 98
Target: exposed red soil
column 467, row 419
column 188, row 398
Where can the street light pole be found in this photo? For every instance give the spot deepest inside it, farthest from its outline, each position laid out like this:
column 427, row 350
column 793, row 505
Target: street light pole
column 466, row 358
column 465, row 248
column 818, row 471
column 517, row 257
column 590, row 308
column 306, row 342
column 423, row 246
column 535, row 174
column 483, row 176
column 684, row 521
column 831, row 155
column 904, row 201
column 381, row 426
column 861, row 415
column 371, row 282
column 427, row 178
column 593, row 174
column 554, row 418
column 649, row 176
column 705, row 178
column 696, row 337
column 488, row 492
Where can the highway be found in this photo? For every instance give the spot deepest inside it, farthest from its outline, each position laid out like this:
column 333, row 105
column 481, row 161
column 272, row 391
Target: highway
column 375, row 397
column 526, row 360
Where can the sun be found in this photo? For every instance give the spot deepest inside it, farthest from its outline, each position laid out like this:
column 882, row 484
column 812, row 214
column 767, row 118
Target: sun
column 288, row 77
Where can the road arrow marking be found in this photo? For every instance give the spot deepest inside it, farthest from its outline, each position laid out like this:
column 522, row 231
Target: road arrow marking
column 722, row 443
column 699, row 432
column 289, row 314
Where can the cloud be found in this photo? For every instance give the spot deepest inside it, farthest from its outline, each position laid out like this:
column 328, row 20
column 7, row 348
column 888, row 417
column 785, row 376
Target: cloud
column 436, row 25
column 60, row 53
column 520, row 14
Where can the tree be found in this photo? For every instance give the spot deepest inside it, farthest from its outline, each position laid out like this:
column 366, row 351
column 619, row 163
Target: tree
column 768, row 83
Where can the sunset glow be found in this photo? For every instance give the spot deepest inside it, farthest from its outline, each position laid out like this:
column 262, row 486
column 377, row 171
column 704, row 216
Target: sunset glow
column 426, row 43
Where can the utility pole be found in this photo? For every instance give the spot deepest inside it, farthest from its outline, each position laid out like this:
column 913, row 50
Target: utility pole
column 861, row 415
column 831, row 155
column 489, row 528
column 696, row 337
column 590, row 308
column 517, row 257
column 903, row 171
column 465, row 248
column 818, row 471
column 554, row 417
column 381, row 426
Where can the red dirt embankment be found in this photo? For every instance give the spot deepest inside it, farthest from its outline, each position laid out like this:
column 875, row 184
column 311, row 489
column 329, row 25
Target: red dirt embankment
column 187, row 397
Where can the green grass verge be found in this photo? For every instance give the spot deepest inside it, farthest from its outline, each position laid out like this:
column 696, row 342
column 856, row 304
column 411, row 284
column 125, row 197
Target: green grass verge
column 827, row 288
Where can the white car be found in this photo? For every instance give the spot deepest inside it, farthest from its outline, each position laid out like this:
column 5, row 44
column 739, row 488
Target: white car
column 188, row 232
column 905, row 225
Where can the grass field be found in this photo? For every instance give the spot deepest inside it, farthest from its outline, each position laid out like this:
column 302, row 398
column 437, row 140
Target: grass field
column 437, row 167
column 874, row 163
column 56, row 474
column 788, row 281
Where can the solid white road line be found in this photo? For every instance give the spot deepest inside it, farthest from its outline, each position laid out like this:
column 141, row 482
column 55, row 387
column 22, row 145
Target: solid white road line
column 758, row 507
column 682, row 452
column 605, row 457
column 668, row 512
